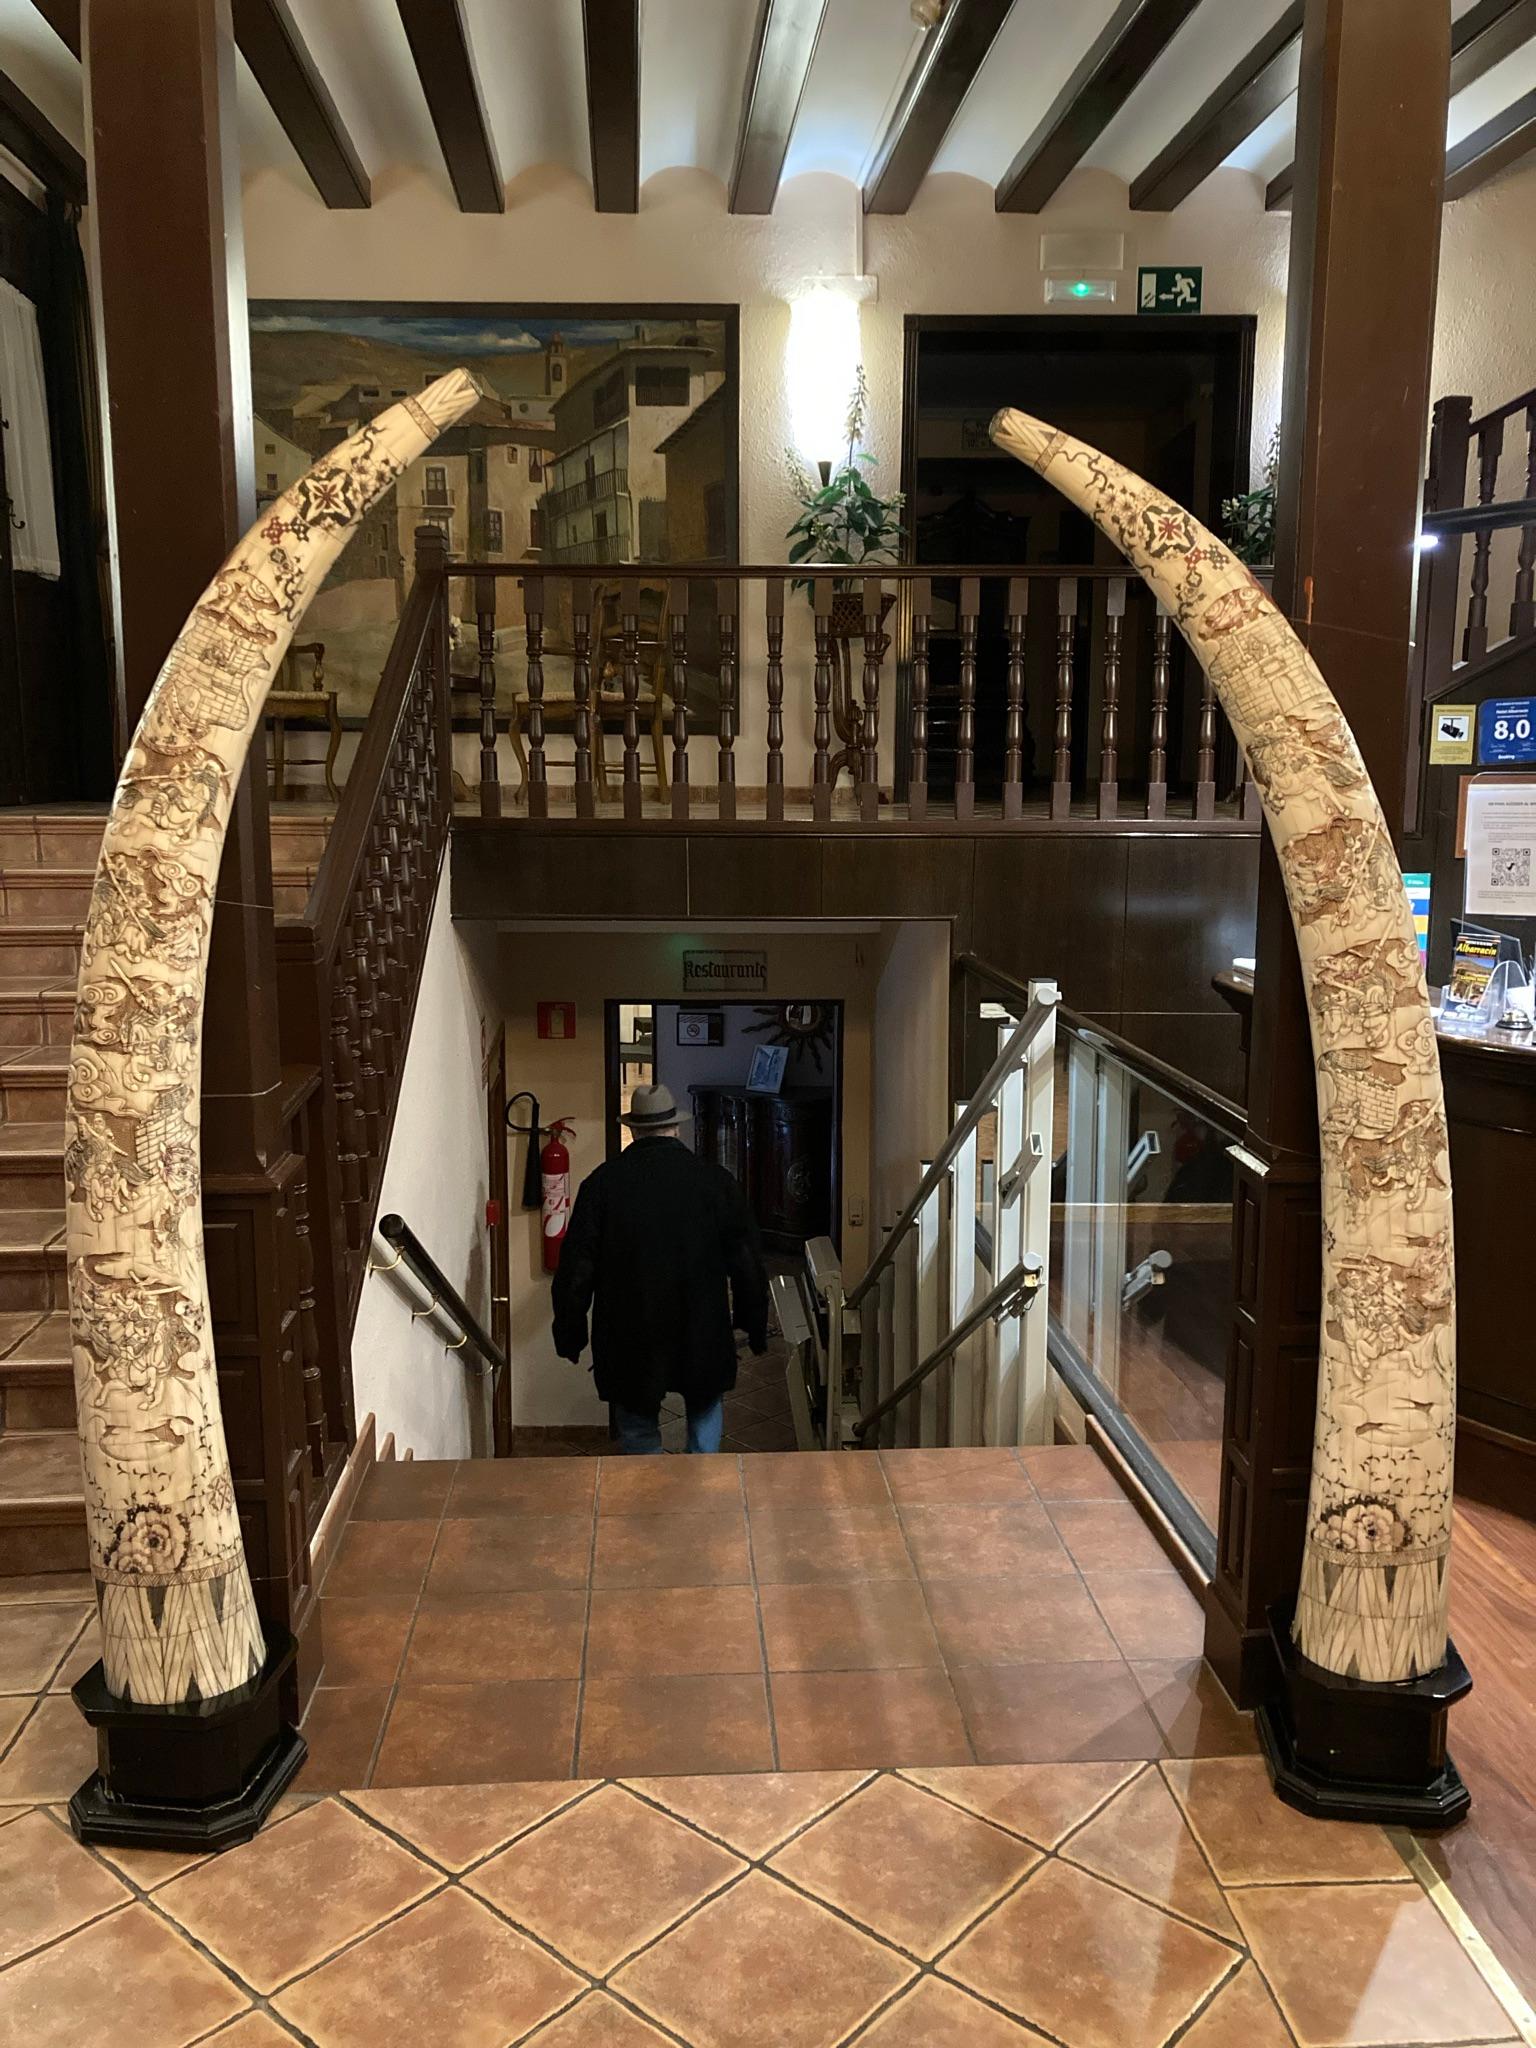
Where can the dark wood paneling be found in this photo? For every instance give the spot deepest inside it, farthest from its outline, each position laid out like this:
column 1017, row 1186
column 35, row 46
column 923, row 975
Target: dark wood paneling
column 886, row 874
column 783, row 45
column 746, row 876
column 445, row 64
column 1490, row 1103
column 296, row 93
column 1209, row 1049
column 952, row 54
column 1248, row 95
column 1055, row 907
column 611, row 38
column 1190, row 907
column 567, row 873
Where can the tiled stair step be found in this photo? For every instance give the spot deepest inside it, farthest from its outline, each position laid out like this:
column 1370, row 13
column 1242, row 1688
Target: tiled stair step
column 32, row 1083
column 52, row 839
column 37, row 1377
column 32, row 1259
column 42, row 1528
column 62, row 895
column 35, row 1009
column 31, row 1166
column 49, row 951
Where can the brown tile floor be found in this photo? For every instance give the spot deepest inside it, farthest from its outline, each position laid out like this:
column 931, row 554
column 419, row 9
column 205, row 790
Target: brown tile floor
column 1095, row 1905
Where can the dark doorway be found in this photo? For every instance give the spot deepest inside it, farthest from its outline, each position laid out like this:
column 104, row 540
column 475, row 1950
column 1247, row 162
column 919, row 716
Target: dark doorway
column 500, row 1227
column 1168, row 395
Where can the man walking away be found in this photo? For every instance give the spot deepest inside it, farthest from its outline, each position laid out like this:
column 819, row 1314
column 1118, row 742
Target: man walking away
column 663, row 1250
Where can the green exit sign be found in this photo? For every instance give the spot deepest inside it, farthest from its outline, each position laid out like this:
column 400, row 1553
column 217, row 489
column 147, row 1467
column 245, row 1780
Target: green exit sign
column 1169, row 288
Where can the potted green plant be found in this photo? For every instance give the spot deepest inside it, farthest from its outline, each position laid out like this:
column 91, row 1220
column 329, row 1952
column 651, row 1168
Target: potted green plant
column 841, row 518
column 1249, row 519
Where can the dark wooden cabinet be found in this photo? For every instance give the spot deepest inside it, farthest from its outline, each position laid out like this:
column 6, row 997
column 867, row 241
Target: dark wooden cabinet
column 779, row 1147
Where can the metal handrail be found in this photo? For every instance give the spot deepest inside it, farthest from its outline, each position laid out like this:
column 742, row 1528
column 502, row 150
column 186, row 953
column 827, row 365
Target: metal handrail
column 1015, row 1291
column 979, row 1105
column 1207, row 1103
column 420, row 1264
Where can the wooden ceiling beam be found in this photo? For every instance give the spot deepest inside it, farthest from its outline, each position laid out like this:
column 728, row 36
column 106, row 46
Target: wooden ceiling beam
column 1484, row 36
column 611, row 36
column 297, row 95
column 1509, row 136
column 783, row 46
column 445, row 64
column 34, row 141
column 63, row 17
column 1251, row 91
column 1128, row 45
column 947, row 63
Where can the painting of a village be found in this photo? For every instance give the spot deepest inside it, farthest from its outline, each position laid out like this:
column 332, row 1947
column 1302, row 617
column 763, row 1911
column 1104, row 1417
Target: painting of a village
column 606, row 436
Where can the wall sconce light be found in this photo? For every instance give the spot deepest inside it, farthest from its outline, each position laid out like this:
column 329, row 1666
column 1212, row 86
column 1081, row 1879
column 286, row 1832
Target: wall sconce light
column 821, row 365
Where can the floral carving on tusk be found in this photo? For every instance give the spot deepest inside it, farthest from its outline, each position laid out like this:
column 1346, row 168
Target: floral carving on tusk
column 178, row 1619
column 1373, row 1597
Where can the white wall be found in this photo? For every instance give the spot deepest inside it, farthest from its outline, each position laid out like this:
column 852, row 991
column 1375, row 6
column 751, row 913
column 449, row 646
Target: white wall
column 912, row 1112
column 437, row 1178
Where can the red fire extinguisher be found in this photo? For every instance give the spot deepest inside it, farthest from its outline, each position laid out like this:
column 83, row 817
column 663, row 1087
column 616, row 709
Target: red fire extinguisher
column 555, row 1174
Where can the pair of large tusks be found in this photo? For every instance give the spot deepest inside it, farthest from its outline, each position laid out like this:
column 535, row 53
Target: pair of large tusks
column 178, row 1620
column 1373, row 1595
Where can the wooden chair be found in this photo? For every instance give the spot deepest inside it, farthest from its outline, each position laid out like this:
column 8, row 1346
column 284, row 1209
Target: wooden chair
column 606, row 701
column 309, row 705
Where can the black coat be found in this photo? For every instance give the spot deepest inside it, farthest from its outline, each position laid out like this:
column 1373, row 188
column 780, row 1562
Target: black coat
column 663, row 1251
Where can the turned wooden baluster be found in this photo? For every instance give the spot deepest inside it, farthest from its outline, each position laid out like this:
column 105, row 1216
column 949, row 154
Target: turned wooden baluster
column 386, row 1002
column 678, row 635
column 727, row 598
column 821, row 770
column 1205, row 751
column 869, row 730
column 922, row 627
column 370, row 1080
column 308, row 1335
column 1066, row 642
column 629, row 673
column 1490, row 446
column 1157, row 759
column 397, row 864
column 1013, row 732
column 1109, row 747
column 965, row 729
column 581, row 683
column 485, row 625
column 773, row 599
column 349, row 1138
column 1522, row 613
column 533, row 631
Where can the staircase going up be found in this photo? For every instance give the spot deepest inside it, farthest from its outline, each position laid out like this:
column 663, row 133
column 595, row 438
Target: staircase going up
column 47, row 860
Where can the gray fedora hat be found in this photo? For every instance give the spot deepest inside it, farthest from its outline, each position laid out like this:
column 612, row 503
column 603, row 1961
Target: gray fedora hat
column 654, row 1109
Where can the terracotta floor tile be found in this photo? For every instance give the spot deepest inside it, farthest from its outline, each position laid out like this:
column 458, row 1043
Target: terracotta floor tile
column 479, row 1734
column 48, row 1885
column 127, row 1978
column 33, row 1640
column 1046, row 1620
column 381, row 1557
column 871, row 1624
column 796, row 1479
column 752, row 1812
column 1108, row 1536
column 1241, row 2015
column 872, row 1720
column 762, row 1967
column 934, row 2014
column 457, row 1825
column 342, row 1727
column 523, row 1486
column 657, row 1486
column 1366, row 1963
column 605, row 1878
column 1056, row 1713
column 79, row 1659
column 51, row 1758
column 52, row 1587
column 404, row 1491
column 1140, row 1840
column 254, row 2030
column 1194, row 1713
column 827, row 1546
column 1069, row 1472
column 679, row 1629
column 961, row 1542
column 365, row 1638
column 671, row 1550
column 448, row 1971
column 911, row 1868
column 147, row 1868
column 463, row 1639
column 1251, row 1837
column 1063, row 1932
column 1150, row 1614
column 1042, row 1802
column 13, row 1711
column 280, row 1904
column 640, row 1727
column 512, row 1554
column 598, row 2021
column 974, row 1476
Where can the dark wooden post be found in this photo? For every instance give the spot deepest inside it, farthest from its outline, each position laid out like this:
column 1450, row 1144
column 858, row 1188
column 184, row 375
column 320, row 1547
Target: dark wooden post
column 773, row 604
column 922, row 620
column 1364, row 258
column 1066, row 641
column 1109, row 748
column 1157, row 756
column 1013, row 756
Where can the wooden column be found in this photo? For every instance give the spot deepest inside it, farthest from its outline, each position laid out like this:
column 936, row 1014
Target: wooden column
column 1360, row 323
column 165, row 226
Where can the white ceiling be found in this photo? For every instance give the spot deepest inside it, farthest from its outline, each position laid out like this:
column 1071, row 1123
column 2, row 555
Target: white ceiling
column 694, row 56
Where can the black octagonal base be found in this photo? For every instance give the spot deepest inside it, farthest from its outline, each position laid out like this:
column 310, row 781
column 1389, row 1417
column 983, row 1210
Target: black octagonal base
column 200, row 1776
column 1350, row 1749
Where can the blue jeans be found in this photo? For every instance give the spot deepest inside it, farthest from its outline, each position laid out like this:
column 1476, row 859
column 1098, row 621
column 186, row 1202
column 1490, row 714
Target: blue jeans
column 640, row 1435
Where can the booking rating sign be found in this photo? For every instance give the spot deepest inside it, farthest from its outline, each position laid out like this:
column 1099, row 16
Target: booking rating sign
column 1506, row 732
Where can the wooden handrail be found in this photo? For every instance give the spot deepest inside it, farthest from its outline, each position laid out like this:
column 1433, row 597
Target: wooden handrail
column 899, row 572
column 1505, row 412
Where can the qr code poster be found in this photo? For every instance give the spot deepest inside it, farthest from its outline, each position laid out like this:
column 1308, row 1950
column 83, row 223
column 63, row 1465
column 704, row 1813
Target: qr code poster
column 1509, row 867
